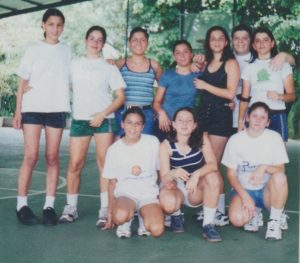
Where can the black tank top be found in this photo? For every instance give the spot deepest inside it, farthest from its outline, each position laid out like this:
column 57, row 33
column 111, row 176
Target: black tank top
column 217, row 79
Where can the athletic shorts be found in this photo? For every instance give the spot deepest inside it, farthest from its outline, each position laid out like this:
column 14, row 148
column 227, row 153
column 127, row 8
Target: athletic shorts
column 51, row 119
column 182, row 188
column 215, row 119
column 256, row 195
column 278, row 123
column 139, row 203
column 81, row 128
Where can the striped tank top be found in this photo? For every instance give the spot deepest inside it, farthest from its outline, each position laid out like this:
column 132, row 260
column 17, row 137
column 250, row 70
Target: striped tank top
column 139, row 89
column 189, row 162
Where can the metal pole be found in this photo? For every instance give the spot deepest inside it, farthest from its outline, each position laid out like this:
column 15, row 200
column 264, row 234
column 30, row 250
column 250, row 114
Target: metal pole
column 181, row 19
column 126, row 29
column 234, row 11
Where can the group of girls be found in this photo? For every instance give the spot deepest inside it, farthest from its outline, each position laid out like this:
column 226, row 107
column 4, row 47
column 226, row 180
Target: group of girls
column 113, row 100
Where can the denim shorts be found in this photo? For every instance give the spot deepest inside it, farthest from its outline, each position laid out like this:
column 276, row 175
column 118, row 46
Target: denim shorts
column 278, row 123
column 215, row 119
column 52, row 119
column 81, row 128
column 149, row 121
column 256, row 195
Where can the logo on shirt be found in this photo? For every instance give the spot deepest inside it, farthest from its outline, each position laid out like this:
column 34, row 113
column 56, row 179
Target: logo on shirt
column 263, row 75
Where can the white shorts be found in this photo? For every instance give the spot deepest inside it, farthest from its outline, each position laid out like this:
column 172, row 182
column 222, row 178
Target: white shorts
column 182, row 188
column 139, row 203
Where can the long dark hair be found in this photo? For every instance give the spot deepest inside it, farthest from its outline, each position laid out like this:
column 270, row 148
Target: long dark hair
column 274, row 50
column 196, row 138
column 227, row 52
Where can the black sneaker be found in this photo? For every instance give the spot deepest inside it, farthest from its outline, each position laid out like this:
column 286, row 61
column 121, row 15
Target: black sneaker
column 49, row 217
column 26, row 216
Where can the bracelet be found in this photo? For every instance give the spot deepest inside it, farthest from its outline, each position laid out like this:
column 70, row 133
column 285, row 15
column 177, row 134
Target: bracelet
column 241, row 98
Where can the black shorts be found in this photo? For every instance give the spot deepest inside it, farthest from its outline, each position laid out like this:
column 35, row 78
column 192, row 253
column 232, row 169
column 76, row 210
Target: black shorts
column 52, row 119
column 215, row 119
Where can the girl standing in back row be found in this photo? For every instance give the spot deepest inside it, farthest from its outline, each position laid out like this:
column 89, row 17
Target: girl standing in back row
column 44, row 73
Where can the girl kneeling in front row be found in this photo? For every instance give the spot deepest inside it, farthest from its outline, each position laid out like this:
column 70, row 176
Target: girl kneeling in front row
column 188, row 170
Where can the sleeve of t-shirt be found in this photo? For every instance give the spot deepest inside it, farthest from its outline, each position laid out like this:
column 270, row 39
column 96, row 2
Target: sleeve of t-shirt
column 115, row 79
column 163, row 81
column 286, row 70
column 246, row 73
column 25, row 67
column 108, row 171
column 280, row 155
column 230, row 159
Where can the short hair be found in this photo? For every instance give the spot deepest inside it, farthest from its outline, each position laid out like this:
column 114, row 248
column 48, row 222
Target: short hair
column 134, row 110
column 257, row 105
column 96, row 28
column 182, row 42
column 53, row 12
column 242, row 27
column 138, row 29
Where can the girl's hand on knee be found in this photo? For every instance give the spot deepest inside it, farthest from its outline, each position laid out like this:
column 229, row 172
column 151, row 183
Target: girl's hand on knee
column 192, row 183
column 170, row 185
column 109, row 223
column 249, row 206
column 182, row 174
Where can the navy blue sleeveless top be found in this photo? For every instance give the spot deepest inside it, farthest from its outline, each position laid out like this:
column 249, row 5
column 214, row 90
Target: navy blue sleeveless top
column 189, row 162
column 217, row 79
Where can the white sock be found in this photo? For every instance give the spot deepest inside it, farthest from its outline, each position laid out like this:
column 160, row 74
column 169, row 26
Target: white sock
column 21, row 201
column 49, row 201
column 258, row 210
column 103, row 200
column 276, row 213
column 72, row 199
column 176, row 213
column 221, row 203
column 209, row 215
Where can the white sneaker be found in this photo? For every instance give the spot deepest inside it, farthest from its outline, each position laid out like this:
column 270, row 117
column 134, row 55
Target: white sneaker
column 283, row 221
column 142, row 230
column 220, row 219
column 273, row 230
column 167, row 220
column 124, row 230
column 200, row 215
column 260, row 219
column 69, row 214
column 102, row 218
column 253, row 224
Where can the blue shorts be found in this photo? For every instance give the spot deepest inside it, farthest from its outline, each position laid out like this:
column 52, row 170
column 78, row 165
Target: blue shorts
column 52, row 119
column 149, row 121
column 278, row 123
column 256, row 195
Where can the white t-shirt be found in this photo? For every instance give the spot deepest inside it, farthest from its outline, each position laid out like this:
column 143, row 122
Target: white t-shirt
column 263, row 79
column 243, row 61
column 93, row 83
column 47, row 68
column 121, row 158
column 244, row 153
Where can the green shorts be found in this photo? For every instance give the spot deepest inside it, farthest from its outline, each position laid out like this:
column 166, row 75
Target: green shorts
column 80, row 128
